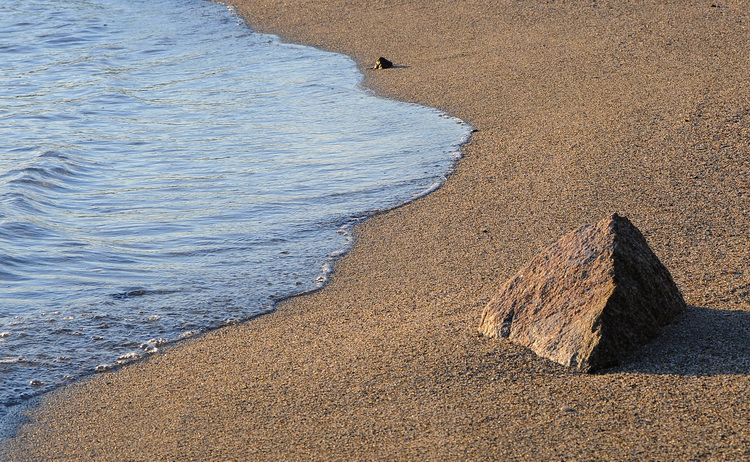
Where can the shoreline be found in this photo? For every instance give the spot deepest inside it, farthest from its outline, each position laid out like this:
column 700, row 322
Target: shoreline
column 582, row 109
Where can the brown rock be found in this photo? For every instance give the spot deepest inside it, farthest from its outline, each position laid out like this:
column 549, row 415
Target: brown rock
column 588, row 300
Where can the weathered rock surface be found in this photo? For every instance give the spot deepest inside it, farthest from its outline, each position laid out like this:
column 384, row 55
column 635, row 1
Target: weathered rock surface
column 588, row 300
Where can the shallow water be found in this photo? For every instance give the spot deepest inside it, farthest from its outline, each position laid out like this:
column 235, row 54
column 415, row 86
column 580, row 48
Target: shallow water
column 164, row 171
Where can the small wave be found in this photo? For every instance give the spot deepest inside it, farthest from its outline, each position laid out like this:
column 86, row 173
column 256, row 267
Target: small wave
column 46, row 170
column 49, row 172
column 60, row 39
column 142, row 292
column 54, row 154
column 35, row 183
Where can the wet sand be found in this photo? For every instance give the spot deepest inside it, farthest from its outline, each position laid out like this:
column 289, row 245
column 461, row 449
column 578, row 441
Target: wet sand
column 583, row 108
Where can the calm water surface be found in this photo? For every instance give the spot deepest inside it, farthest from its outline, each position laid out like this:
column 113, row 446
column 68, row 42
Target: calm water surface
column 164, row 171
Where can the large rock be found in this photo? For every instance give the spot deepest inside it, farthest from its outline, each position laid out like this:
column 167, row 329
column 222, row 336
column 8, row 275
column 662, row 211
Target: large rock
column 589, row 300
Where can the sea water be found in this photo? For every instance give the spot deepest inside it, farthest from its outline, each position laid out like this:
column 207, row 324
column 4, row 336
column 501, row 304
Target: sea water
column 164, row 171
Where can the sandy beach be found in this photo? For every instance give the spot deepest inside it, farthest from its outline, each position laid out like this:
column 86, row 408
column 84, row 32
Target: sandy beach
column 582, row 109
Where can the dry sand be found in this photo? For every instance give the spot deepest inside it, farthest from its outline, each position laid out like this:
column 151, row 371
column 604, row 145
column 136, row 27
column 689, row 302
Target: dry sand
column 583, row 108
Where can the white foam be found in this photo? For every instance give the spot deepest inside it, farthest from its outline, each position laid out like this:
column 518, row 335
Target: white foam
column 188, row 334
column 127, row 357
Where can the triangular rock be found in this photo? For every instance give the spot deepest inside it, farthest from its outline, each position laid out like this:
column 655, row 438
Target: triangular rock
column 588, row 300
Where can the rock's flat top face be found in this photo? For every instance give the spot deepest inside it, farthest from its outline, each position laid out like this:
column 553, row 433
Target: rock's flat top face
column 587, row 300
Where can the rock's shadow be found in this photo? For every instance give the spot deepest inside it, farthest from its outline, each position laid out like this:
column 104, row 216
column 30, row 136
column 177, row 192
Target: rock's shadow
column 395, row 66
column 702, row 342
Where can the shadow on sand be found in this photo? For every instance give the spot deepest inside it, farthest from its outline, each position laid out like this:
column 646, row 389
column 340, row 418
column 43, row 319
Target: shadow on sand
column 702, row 342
